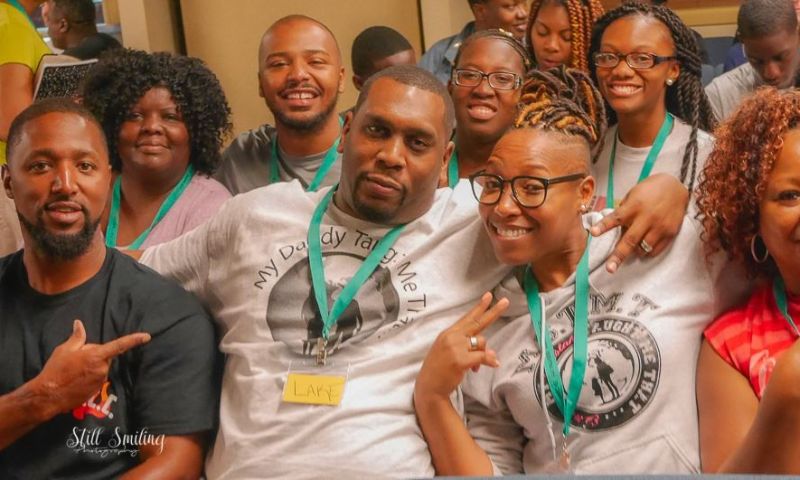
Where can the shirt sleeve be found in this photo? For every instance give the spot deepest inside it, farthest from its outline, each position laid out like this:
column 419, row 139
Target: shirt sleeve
column 188, row 258
column 498, row 434
column 16, row 46
column 177, row 376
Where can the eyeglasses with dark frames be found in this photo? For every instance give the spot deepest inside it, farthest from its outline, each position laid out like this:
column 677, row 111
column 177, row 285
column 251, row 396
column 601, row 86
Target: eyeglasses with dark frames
column 635, row 60
column 466, row 77
column 529, row 192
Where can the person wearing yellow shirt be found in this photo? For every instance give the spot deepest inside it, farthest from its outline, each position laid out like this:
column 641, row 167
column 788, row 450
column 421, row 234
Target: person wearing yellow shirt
column 21, row 50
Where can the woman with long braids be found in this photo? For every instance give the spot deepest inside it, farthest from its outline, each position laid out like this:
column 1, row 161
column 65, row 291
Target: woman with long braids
column 749, row 368
column 559, row 32
column 646, row 64
column 611, row 353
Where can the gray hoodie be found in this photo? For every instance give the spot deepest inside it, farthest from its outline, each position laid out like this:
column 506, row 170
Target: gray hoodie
column 637, row 412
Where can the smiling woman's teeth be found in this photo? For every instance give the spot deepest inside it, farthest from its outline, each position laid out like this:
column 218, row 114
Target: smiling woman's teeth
column 511, row 233
column 624, row 89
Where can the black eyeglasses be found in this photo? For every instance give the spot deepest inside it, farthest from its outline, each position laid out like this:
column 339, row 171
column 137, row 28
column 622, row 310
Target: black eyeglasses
column 498, row 80
column 635, row 60
column 529, row 192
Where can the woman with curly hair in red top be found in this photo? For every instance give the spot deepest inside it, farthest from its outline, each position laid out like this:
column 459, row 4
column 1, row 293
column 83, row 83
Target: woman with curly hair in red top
column 748, row 379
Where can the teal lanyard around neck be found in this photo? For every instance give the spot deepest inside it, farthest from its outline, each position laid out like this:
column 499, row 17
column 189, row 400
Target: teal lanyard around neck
column 779, row 293
column 324, row 168
column 116, row 200
column 350, row 290
column 655, row 150
column 566, row 400
column 452, row 170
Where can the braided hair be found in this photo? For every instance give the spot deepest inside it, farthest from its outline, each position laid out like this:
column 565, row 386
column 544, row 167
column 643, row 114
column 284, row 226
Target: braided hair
column 563, row 100
column 582, row 16
column 686, row 98
column 498, row 34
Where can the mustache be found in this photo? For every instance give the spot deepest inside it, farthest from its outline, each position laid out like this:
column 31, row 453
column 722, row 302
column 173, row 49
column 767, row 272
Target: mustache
column 63, row 198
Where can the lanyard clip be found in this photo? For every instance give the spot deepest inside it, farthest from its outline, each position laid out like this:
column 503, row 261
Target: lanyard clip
column 322, row 353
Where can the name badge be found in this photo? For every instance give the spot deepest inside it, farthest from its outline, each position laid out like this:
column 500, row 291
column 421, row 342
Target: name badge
column 310, row 384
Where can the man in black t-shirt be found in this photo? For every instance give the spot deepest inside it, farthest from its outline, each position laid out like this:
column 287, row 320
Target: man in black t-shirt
column 72, row 28
column 107, row 368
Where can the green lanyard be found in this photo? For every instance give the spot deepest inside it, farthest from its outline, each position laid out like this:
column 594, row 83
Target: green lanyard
column 349, row 291
column 116, row 199
column 779, row 292
column 663, row 133
column 566, row 401
column 452, row 170
column 324, row 168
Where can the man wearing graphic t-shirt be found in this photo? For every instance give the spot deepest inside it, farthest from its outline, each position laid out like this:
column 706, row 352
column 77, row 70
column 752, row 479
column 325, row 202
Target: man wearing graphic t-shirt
column 300, row 77
column 250, row 266
column 108, row 370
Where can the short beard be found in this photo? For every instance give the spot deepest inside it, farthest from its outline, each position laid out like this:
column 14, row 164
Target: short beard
column 372, row 214
column 307, row 125
column 61, row 247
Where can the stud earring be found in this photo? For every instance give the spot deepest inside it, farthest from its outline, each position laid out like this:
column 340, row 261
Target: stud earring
column 584, row 209
column 670, row 82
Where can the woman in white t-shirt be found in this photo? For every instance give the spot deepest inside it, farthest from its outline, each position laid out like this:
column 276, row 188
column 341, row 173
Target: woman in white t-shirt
column 621, row 347
column 647, row 66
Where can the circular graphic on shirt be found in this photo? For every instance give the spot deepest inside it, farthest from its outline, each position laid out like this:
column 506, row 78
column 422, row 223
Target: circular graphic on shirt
column 623, row 369
column 377, row 303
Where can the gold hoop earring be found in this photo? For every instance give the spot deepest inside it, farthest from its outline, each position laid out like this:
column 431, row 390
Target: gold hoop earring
column 763, row 257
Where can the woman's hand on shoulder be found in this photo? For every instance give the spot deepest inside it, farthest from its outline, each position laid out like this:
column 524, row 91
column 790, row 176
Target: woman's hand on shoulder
column 651, row 215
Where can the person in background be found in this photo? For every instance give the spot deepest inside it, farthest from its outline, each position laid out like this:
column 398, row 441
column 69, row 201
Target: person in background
column 21, row 50
column 508, row 15
column 300, row 77
column 559, row 32
column 377, row 48
column 109, row 370
column 165, row 118
column 647, row 66
column 749, row 366
column 71, row 25
column 736, row 55
column 485, row 87
column 768, row 29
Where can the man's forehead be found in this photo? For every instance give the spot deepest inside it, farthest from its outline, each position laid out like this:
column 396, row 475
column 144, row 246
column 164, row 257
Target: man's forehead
column 298, row 33
column 61, row 130
column 388, row 97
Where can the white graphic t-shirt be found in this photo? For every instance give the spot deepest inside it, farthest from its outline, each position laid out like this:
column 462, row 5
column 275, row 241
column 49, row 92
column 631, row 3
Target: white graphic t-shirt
column 249, row 265
column 636, row 413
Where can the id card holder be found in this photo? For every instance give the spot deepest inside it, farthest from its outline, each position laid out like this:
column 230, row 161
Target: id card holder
column 309, row 383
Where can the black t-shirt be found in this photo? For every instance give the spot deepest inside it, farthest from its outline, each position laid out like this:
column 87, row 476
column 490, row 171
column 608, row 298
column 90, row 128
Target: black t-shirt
column 169, row 386
column 93, row 46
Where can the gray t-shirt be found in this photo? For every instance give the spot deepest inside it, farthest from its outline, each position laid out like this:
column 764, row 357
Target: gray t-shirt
column 637, row 411
column 245, row 163
column 727, row 91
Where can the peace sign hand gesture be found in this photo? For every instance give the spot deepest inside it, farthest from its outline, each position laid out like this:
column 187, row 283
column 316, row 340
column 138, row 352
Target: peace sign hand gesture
column 458, row 349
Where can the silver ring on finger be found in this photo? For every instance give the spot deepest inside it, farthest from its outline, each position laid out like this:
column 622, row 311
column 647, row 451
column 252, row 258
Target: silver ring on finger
column 473, row 343
column 646, row 248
